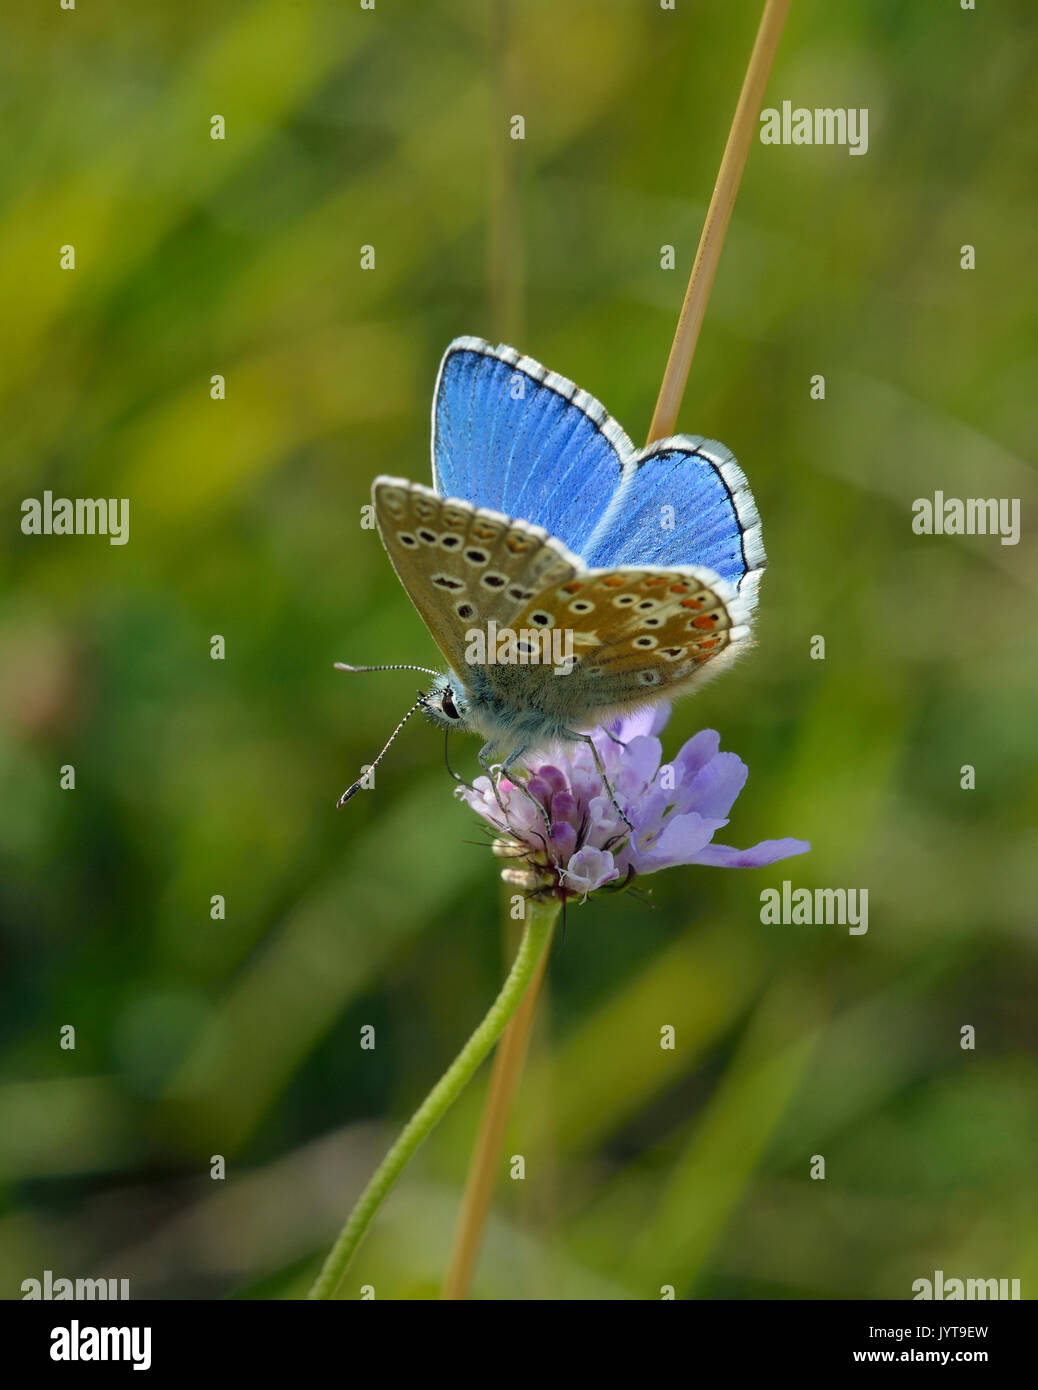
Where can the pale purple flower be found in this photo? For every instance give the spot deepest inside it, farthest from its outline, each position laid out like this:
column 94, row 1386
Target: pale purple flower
column 676, row 809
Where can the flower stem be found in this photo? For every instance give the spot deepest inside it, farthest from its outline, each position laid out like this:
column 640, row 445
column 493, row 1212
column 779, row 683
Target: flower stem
column 479, row 1185
column 540, row 920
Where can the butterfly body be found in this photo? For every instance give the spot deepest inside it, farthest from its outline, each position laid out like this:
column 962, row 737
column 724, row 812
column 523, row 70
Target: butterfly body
column 565, row 576
column 480, row 707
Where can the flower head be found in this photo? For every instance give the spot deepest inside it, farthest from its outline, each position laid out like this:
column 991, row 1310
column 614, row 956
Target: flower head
column 562, row 828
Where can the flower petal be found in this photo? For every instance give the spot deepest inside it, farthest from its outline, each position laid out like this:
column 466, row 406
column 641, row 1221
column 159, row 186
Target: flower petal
column 481, row 799
column 767, row 852
column 564, row 807
column 541, row 790
column 651, row 720
column 680, row 842
column 638, row 764
column 696, row 753
column 713, row 789
column 562, row 841
column 603, row 822
column 554, row 776
column 589, row 869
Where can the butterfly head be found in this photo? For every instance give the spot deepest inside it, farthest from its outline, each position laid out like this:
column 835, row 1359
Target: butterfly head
column 446, row 703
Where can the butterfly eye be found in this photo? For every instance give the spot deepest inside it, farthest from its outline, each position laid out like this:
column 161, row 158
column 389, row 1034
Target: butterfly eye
column 448, row 706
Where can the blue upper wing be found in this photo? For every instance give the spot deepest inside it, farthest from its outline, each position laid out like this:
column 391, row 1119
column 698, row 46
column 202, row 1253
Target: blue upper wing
column 687, row 503
column 510, row 435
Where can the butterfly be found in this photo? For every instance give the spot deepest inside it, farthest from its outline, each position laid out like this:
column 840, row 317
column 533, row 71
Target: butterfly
column 565, row 575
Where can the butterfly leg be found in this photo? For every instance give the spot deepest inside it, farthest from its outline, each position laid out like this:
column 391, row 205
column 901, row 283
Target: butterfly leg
column 506, row 766
column 586, row 738
column 447, row 761
column 495, row 771
column 491, row 770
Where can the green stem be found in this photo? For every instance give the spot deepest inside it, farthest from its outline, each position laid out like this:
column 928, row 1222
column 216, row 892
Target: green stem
column 540, row 919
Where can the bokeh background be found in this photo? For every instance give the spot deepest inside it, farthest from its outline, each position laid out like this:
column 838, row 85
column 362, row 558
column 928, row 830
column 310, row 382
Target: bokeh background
column 196, row 777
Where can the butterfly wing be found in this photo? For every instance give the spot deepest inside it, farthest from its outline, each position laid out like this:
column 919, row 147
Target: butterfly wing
column 511, row 436
column 639, row 634
column 687, row 503
column 463, row 566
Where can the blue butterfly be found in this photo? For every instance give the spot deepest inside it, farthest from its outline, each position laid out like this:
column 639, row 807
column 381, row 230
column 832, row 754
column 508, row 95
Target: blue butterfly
column 565, row 575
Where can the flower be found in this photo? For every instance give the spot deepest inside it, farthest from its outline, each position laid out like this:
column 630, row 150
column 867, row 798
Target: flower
column 562, row 827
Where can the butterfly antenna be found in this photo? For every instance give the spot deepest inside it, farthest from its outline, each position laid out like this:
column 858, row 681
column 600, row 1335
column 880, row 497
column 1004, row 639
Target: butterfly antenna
column 352, row 791
column 341, row 666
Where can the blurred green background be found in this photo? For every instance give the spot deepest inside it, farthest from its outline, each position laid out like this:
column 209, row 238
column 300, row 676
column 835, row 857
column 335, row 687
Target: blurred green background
column 196, row 777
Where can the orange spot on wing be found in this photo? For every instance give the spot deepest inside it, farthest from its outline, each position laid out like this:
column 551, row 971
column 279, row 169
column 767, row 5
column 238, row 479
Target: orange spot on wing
column 691, row 603
column 614, row 581
column 706, row 620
